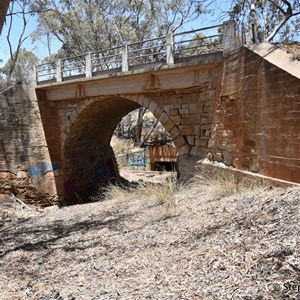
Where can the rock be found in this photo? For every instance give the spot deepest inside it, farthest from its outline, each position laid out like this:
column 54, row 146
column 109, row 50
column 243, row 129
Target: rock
column 50, row 209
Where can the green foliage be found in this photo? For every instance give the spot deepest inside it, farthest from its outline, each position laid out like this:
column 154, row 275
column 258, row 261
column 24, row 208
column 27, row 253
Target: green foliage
column 20, row 68
column 83, row 26
column 279, row 18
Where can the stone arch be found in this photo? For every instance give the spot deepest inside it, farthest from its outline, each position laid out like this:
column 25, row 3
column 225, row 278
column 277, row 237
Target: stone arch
column 87, row 155
column 163, row 116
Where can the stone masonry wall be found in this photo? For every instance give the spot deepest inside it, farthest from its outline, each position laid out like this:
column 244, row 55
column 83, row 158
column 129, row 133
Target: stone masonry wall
column 257, row 117
column 25, row 166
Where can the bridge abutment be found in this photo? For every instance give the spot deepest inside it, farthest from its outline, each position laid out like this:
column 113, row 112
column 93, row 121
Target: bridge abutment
column 25, row 164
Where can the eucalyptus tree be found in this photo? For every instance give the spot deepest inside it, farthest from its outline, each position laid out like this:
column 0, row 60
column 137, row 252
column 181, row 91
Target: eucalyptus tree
column 91, row 25
column 280, row 19
column 20, row 9
column 20, row 69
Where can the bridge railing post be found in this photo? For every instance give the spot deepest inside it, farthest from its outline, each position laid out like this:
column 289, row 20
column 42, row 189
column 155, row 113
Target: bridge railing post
column 88, row 65
column 125, row 66
column 230, row 37
column 58, row 71
column 170, row 48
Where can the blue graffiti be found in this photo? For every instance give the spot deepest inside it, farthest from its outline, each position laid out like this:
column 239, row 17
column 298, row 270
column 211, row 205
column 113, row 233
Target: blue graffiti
column 137, row 159
column 41, row 168
column 102, row 170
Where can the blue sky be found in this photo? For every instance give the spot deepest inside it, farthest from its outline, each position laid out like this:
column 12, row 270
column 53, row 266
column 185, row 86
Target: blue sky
column 37, row 47
column 41, row 50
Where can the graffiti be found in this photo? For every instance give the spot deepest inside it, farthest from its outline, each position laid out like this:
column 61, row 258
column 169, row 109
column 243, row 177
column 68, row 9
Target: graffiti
column 102, row 170
column 137, row 159
column 40, row 169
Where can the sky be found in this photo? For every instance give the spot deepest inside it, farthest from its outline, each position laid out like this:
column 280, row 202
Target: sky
column 40, row 49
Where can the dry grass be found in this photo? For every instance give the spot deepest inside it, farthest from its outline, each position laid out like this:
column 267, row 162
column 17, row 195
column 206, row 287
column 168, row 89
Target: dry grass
column 121, row 146
column 226, row 182
column 128, row 247
column 164, row 194
column 121, row 193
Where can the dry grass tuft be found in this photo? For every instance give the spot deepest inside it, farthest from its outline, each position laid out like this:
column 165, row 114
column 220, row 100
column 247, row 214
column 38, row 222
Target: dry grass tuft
column 120, row 193
column 224, row 183
column 164, row 194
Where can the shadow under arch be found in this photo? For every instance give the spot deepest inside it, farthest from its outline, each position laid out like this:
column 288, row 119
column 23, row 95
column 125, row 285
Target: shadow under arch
column 88, row 158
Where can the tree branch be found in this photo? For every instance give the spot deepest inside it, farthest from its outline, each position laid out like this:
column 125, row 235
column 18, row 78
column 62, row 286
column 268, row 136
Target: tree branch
column 29, row 12
column 277, row 28
column 279, row 7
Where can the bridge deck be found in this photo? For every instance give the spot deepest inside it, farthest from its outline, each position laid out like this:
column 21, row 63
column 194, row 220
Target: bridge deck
column 165, row 50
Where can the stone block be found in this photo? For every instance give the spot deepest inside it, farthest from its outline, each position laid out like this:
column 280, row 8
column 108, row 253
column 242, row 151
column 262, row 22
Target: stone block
column 152, row 107
column 179, row 141
column 191, row 140
column 193, row 108
column 194, row 151
column 184, row 111
column 203, row 143
column 88, row 101
column 167, row 109
column 227, row 158
column 185, row 149
column 174, row 132
column 176, row 119
column 254, row 167
column 22, row 174
column 80, row 107
column 206, row 109
column 173, row 112
column 176, row 106
column 163, row 118
column 187, row 129
column 158, row 112
column 169, row 125
column 73, row 115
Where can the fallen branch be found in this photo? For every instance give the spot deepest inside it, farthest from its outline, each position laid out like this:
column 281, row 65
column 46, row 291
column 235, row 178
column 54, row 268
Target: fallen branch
column 80, row 200
column 20, row 202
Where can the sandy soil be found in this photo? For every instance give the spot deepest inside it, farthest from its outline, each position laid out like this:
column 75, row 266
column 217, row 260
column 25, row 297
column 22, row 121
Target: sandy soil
column 200, row 244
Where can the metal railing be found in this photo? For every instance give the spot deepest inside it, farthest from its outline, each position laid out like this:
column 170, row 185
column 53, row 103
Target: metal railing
column 196, row 42
column 168, row 49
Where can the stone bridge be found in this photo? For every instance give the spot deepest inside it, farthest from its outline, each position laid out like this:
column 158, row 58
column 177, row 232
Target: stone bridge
column 88, row 96
column 235, row 105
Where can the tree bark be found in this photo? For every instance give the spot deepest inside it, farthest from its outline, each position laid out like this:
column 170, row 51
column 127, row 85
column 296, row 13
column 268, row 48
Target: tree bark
column 139, row 125
column 3, row 9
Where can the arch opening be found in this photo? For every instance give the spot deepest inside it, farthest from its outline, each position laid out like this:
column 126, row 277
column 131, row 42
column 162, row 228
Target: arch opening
column 89, row 159
column 141, row 143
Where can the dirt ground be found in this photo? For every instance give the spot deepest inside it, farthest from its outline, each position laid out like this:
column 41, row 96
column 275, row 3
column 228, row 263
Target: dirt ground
column 200, row 243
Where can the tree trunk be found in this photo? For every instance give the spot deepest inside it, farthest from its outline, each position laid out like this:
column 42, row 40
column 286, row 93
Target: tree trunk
column 139, row 126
